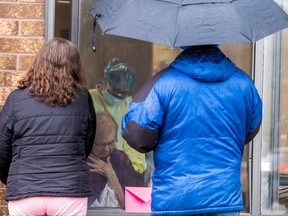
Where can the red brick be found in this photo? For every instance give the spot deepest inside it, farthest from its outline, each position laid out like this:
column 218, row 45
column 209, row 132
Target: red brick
column 8, row 62
column 25, row 61
column 33, row 28
column 21, row 45
column 22, row 11
column 10, row 78
column 8, row 27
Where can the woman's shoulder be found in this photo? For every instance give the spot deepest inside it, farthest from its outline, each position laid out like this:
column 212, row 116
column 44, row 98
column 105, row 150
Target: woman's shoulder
column 18, row 94
column 118, row 154
column 82, row 94
column 82, row 91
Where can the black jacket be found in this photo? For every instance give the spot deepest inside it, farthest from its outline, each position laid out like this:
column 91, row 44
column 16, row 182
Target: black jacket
column 43, row 149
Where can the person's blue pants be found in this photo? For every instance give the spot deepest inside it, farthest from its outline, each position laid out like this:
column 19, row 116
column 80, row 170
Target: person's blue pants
column 214, row 214
column 219, row 214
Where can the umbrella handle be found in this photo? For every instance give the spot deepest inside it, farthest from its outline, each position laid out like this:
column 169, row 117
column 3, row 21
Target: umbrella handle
column 97, row 15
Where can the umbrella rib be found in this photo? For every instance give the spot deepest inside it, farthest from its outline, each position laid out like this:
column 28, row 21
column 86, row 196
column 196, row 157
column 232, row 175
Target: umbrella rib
column 199, row 3
column 104, row 29
column 175, row 35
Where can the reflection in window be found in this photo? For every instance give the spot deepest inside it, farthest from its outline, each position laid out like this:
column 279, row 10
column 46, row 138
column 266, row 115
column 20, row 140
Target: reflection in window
column 145, row 59
column 274, row 190
column 110, row 169
column 62, row 19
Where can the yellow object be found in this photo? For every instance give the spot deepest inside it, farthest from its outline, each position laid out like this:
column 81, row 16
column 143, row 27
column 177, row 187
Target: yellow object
column 118, row 111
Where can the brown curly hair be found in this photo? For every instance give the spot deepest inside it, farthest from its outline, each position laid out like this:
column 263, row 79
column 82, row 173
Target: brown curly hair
column 55, row 73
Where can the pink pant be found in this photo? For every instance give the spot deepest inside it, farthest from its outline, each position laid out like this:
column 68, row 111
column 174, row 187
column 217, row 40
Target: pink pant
column 48, row 206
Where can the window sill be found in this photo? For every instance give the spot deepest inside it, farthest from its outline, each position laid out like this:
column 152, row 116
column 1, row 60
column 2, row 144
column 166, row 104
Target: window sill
column 112, row 211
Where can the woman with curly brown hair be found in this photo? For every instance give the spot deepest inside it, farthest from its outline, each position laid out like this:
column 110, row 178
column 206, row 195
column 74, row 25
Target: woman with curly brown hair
column 47, row 129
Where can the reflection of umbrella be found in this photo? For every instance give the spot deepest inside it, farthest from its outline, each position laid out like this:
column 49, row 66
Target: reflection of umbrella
column 190, row 22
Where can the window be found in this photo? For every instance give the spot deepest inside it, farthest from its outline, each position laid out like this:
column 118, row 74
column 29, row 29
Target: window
column 73, row 21
column 62, row 19
column 274, row 165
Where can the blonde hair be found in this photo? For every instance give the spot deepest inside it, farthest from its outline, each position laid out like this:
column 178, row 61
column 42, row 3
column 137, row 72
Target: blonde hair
column 55, row 73
column 105, row 122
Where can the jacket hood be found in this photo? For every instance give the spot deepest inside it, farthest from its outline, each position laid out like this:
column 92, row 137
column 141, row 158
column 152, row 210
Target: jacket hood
column 204, row 64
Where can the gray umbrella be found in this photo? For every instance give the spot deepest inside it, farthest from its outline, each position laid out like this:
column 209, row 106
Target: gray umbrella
column 190, row 22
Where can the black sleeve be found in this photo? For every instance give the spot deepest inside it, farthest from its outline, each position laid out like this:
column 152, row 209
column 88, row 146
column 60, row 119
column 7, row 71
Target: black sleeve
column 6, row 134
column 141, row 139
column 251, row 135
column 91, row 130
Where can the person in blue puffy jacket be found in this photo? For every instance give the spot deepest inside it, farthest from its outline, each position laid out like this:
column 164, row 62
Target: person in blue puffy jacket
column 196, row 115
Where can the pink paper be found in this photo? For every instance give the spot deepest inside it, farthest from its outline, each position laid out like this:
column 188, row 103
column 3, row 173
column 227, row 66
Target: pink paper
column 138, row 199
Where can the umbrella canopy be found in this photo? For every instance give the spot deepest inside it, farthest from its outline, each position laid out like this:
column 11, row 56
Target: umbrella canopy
column 190, row 22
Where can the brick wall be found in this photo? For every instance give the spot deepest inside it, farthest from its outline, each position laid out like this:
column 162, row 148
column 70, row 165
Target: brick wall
column 21, row 36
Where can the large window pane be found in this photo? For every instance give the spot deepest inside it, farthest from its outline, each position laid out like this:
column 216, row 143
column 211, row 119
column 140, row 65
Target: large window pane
column 145, row 58
column 274, row 189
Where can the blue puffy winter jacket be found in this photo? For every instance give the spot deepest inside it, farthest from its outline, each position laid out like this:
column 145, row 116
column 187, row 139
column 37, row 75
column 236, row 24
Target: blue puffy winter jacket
column 196, row 115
